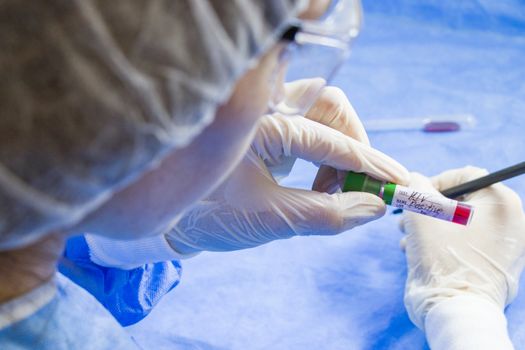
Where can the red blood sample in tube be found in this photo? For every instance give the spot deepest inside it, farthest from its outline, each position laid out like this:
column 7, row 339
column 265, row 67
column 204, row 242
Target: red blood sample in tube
column 463, row 214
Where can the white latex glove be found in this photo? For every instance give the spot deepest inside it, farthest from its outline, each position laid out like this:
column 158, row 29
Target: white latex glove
column 250, row 208
column 460, row 278
column 272, row 152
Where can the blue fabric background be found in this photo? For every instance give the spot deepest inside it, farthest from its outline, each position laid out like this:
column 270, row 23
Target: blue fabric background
column 412, row 59
column 73, row 319
column 128, row 294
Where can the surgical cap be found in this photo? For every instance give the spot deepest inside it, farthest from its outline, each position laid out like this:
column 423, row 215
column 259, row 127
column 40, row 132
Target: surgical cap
column 95, row 92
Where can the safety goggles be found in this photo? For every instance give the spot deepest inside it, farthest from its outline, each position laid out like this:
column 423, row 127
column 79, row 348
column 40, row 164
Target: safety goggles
column 315, row 51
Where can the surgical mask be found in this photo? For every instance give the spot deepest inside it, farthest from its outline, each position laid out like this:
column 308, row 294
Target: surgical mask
column 316, row 50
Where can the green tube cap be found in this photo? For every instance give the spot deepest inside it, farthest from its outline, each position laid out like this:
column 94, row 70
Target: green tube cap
column 361, row 183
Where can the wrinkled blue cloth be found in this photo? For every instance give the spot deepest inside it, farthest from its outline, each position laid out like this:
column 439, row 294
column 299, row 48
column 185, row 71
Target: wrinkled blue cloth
column 73, row 319
column 129, row 295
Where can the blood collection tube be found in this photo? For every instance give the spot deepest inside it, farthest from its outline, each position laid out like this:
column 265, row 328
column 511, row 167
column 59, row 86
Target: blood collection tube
column 431, row 204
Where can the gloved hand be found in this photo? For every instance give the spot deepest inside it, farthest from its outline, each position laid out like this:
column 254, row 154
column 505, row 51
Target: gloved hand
column 250, row 208
column 461, row 277
column 331, row 108
column 228, row 219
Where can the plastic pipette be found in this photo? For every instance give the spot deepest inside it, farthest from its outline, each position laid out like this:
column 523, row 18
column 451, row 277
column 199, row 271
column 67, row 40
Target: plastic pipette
column 445, row 123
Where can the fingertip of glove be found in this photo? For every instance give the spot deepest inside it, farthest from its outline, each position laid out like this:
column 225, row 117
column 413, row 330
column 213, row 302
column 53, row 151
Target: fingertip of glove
column 403, row 244
column 475, row 171
column 364, row 205
column 404, row 177
column 401, row 225
column 345, row 211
